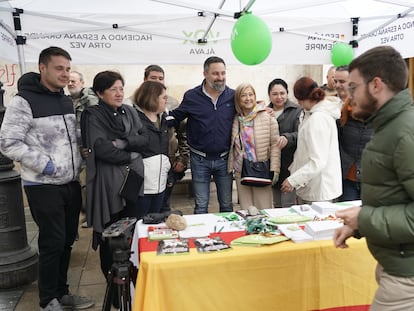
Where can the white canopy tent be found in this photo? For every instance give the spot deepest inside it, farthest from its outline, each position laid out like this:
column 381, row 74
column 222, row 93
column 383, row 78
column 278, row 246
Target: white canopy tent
column 188, row 31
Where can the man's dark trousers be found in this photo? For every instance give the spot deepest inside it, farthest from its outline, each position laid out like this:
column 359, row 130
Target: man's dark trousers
column 55, row 209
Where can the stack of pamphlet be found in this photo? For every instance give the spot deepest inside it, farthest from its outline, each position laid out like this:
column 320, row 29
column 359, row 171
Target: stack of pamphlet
column 161, row 233
column 197, row 230
column 295, row 233
column 322, row 230
column 325, row 208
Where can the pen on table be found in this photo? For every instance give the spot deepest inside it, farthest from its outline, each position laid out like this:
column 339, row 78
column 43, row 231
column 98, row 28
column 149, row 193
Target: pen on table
column 193, row 225
column 215, row 228
column 221, row 229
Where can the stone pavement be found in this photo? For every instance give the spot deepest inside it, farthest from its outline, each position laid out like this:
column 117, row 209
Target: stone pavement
column 85, row 277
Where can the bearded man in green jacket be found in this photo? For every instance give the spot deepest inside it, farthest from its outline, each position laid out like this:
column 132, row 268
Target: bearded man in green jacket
column 378, row 87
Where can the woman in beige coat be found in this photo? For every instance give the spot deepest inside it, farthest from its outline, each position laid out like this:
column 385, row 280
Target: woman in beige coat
column 254, row 136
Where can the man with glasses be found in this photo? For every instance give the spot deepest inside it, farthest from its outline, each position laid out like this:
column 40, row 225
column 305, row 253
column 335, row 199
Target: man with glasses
column 378, row 89
column 353, row 134
column 82, row 97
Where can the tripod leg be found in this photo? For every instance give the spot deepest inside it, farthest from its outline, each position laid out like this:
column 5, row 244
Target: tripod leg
column 133, row 272
column 109, row 293
column 124, row 292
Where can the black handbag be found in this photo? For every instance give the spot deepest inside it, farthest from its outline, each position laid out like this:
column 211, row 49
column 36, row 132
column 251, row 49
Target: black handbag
column 256, row 174
column 131, row 185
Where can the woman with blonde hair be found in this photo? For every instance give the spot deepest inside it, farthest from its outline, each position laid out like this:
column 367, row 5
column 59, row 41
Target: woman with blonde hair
column 254, row 137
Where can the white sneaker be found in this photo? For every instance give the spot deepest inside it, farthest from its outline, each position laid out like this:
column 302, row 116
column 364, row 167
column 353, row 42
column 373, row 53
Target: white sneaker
column 75, row 302
column 53, row 305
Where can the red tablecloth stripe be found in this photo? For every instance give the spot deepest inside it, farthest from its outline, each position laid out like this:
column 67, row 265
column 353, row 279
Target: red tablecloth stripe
column 151, row 246
column 347, row 308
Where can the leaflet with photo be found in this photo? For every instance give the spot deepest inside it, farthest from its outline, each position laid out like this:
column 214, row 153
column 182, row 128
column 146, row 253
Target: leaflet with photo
column 173, row 247
column 206, row 245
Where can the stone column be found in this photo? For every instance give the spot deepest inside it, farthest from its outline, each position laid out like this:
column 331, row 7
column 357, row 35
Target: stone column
column 18, row 261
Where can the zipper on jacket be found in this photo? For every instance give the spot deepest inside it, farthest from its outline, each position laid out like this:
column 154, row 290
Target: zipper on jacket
column 159, row 175
column 71, row 149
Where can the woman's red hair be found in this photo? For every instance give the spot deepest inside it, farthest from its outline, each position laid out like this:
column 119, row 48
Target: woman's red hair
column 306, row 88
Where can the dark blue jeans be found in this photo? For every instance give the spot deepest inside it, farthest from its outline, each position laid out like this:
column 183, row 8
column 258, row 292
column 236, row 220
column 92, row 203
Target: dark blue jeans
column 351, row 190
column 55, row 209
column 201, row 170
column 149, row 203
column 172, row 179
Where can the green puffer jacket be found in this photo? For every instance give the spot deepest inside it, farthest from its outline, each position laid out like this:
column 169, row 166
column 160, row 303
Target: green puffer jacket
column 387, row 216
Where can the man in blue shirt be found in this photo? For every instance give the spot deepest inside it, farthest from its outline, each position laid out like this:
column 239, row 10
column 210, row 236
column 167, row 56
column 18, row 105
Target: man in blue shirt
column 209, row 109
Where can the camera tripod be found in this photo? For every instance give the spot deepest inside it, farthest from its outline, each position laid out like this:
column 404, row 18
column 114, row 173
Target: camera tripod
column 119, row 282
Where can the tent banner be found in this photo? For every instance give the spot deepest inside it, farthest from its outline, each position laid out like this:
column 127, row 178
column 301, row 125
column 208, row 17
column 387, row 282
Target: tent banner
column 146, row 39
column 399, row 34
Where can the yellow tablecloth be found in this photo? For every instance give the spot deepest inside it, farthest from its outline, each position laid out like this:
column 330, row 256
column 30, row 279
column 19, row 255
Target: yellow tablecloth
column 284, row 276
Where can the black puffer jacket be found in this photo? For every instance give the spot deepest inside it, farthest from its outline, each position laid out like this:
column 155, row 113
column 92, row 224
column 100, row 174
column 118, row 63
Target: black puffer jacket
column 155, row 155
column 353, row 137
column 288, row 127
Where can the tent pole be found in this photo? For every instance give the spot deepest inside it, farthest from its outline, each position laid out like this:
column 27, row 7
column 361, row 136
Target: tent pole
column 248, row 5
column 204, row 38
column 20, row 40
column 401, row 15
column 198, row 7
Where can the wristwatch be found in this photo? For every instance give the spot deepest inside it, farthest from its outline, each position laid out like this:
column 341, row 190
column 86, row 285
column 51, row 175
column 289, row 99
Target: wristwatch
column 356, row 234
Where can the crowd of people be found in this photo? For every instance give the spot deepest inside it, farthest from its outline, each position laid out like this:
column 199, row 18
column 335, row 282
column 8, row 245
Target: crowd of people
column 127, row 154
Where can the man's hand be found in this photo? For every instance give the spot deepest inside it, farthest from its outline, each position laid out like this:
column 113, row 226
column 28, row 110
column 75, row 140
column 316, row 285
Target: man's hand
column 275, row 178
column 341, row 235
column 84, row 153
column 178, row 167
column 350, row 216
column 286, row 186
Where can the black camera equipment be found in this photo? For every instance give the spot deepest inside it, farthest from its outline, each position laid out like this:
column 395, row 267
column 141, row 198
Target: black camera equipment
column 156, row 218
column 123, row 271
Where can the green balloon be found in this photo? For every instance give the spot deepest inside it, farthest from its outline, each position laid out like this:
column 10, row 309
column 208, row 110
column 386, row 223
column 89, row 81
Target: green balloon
column 251, row 40
column 341, row 54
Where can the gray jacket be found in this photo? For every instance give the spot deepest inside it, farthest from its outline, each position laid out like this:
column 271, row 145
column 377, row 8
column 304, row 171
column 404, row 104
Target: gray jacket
column 40, row 126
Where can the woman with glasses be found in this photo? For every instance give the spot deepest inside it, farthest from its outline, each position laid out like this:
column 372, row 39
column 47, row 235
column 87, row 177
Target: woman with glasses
column 114, row 137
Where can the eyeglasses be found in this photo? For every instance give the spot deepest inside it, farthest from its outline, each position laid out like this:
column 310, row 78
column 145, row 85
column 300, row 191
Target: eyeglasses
column 352, row 88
